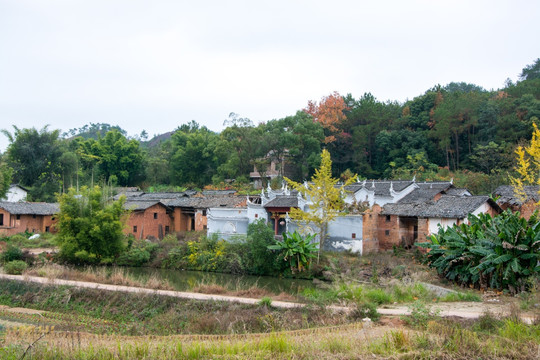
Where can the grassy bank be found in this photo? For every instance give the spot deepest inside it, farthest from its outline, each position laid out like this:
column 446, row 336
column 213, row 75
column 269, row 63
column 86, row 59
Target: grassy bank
column 104, row 312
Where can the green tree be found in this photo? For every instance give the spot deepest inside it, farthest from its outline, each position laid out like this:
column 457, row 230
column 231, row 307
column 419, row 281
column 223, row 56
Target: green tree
column 34, row 156
column 325, row 199
column 193, row 157
column 531, row 71
column 90, row 226
column 5, row 179
column 121, row 158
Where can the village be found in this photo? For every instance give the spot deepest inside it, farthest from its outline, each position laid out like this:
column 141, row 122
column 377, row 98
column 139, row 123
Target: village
column 380, row 214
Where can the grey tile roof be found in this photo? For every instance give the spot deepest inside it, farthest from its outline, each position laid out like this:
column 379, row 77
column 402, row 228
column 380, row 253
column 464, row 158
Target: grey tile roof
column 507, row 195
column 283, row 201
column 218, row 192
column 207, row 202
column 382, row 187
column 455, row 207
column 30, row 208
column 138, row 205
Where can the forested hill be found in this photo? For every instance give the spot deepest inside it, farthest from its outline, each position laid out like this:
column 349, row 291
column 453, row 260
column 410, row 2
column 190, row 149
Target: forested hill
column 459, row 131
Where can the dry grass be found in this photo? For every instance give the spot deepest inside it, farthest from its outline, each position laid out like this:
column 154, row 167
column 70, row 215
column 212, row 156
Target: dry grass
column 112, row 276
column 353, row 341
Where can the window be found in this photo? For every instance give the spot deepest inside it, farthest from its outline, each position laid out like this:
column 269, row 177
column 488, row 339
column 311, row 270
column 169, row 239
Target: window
column 387, row 218
column 256, row 216
column 47, row 229
column 204, row 213
column 1, row 219
column 135, row 228
column 353, row 235
column 387, row 232
column 166, row 229
column 205, row 227
column 34, row 216
column 155, row 215
column 18, row 217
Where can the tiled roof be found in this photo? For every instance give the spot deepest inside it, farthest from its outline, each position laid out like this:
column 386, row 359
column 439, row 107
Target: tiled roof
column 137, row 205
column 30, row 208
column 455, row 207
column 283, row 201
column 381, row 187
column 218, row 192
column 507, row 195
column 208, row 202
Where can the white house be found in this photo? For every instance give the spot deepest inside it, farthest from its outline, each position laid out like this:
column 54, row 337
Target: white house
column 16, row 193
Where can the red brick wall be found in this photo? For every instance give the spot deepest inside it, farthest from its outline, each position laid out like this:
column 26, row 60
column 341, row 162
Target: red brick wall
column 38, row 224
column 370, row 242
column 147, row 225
column 388, row 231
column 201, row 221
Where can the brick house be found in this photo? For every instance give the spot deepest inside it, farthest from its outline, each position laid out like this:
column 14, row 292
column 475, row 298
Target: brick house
column 16, row 217
column 411, row 220
column 148, row 219
column 508, row 199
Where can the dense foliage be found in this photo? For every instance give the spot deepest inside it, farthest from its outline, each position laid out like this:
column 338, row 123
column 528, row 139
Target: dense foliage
column 296, row 250
column 90, row 226
column 498, row 252
column 458, row 131
column 249, row 255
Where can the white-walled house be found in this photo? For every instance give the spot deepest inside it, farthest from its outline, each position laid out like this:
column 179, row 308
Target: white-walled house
column 16, row 193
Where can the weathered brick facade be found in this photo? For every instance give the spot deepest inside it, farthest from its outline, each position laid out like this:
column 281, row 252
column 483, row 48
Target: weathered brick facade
column 11, row 224
column 155, row 221
column 25, row 216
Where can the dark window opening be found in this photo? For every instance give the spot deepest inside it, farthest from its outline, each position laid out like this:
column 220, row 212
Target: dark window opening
column 205, row 227
column 34, row 216
column 1, row 219
column 18, row 217
column 387, row 232
column 353, row 235
column 155, row 215
column 53, row 218
column 47, row 229
column 387, row 218
column 256, row 216
column 166, row 229
column 135, row 228
column 204, row 213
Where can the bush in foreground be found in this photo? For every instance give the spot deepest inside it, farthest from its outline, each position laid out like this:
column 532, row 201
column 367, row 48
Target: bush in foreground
column 15, row 267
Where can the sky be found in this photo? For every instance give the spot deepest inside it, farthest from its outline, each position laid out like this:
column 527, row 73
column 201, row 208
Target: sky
column 154, row 65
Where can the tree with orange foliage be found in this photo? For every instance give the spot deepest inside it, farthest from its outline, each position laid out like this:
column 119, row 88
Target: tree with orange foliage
column 329, row 112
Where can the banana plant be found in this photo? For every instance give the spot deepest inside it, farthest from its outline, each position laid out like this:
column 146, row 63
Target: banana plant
column 296, row 250
column 500, row 252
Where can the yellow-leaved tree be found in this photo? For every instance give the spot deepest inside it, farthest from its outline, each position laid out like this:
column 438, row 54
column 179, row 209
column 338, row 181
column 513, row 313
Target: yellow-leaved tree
column 528, row 165
column 325, row 199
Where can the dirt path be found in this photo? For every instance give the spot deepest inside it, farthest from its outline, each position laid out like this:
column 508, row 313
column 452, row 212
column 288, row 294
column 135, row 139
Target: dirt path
column 469, row 310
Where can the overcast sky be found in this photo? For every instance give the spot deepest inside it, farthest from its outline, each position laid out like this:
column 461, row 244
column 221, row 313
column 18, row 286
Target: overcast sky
column 155, row 65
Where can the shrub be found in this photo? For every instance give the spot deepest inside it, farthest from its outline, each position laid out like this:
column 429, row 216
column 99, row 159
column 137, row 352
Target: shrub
column 133, row 257
column 12, row 253
column 265, row 301
column 365, row 309
column 260, row 260
column 15, row 267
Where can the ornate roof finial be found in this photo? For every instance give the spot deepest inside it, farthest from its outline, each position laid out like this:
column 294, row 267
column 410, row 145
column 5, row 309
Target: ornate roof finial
column 391, row 186
column 414, row 178
column 373, row 183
